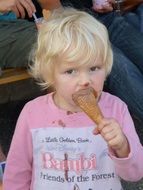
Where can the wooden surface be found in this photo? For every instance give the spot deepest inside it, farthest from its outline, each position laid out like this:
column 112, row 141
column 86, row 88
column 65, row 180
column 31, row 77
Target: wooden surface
column 0, row 186
column 12, row 75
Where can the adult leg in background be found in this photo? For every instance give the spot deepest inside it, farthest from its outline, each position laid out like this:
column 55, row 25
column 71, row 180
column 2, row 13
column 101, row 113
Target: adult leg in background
column 16, row 41
column 128, row 39
column 126, row 82
column 135, row 17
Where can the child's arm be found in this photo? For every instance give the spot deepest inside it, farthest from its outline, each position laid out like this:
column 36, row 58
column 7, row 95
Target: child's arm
column 124, row 146
column 18, row 169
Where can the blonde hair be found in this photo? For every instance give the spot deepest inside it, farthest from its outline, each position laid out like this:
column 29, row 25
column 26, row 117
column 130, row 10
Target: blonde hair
column 69, row 36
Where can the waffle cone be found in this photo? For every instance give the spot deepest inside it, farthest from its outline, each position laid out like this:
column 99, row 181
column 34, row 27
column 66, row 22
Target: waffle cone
column 87, row 100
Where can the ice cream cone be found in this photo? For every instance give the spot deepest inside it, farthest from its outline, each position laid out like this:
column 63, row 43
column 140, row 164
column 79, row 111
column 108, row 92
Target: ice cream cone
column 86, row 99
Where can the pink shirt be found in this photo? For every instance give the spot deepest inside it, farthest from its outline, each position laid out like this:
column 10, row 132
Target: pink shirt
column 53, row 149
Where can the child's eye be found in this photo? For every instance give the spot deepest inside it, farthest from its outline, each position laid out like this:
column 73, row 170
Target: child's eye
column 95, row 68
column 70, row 71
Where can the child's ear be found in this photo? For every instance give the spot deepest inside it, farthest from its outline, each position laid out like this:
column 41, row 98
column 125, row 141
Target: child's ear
column 51, row 89
column 52, row 86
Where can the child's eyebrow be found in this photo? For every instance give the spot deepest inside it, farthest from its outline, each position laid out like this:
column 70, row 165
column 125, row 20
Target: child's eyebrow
column 71, row 65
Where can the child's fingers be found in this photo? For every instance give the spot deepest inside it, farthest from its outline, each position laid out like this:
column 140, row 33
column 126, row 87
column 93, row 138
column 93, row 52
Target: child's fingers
column 104, row 127
column 104, row 122
column 109, row 135
column 96, row 131
column 115, row 143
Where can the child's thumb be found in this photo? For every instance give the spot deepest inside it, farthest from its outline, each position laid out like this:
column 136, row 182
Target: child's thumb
column 96, row 131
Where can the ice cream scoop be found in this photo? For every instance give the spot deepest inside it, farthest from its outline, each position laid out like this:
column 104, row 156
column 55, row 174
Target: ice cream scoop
column 86, row 99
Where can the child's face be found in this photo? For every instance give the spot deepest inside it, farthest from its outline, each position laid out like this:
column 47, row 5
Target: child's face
column 71, row 77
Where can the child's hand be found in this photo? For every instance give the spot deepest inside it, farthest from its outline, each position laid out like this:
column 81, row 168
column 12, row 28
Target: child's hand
column 112, row 133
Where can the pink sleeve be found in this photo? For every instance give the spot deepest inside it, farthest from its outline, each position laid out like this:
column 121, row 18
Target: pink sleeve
column 18, row 171
column 130, row 168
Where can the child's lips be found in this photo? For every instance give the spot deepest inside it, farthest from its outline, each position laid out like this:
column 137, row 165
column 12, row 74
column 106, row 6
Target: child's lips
column 85, row 91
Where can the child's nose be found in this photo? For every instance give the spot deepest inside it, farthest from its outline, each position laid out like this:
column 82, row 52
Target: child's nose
column 84, row 80
column 86, row 84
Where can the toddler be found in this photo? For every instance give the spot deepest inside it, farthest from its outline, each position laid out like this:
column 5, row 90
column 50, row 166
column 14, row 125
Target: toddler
column 56, row 146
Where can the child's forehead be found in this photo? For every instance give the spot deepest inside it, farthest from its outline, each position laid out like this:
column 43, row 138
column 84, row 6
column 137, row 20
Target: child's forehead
column 80, row 63
column 80, row 57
